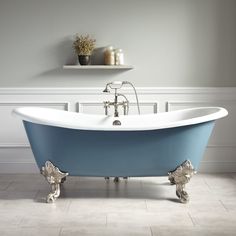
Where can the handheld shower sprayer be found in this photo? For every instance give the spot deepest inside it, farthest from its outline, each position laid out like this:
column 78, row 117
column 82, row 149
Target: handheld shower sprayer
column 113, row 85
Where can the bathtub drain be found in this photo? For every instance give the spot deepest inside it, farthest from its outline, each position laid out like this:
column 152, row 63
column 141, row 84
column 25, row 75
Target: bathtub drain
column 116, row 122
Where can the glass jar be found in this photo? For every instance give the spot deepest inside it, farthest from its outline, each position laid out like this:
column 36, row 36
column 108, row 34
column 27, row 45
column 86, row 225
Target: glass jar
column 109, row 56
column 119, row 57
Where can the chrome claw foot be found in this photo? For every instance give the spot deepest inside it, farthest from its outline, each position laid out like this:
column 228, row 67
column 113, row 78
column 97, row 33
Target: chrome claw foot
column 181, row 194
column 181, row 176
column 54, row 194
column 54, row 177
column 63, row 180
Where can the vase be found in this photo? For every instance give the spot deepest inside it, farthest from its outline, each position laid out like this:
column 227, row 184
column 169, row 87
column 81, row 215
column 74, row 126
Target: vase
column 84, row 59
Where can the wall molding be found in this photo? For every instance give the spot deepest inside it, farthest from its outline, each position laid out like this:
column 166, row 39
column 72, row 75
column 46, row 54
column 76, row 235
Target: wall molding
column 81, row 105
column 42, row 103
column 170, row 104
column 98, row 90
column 24, row 103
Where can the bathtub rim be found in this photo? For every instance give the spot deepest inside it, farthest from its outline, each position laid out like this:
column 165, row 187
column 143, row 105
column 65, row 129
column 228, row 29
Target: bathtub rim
column 25, row 113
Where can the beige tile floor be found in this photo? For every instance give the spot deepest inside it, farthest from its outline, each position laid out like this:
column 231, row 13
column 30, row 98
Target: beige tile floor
column 139, row 206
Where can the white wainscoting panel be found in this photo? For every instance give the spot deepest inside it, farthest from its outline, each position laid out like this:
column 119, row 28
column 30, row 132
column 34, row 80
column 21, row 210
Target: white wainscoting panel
column 146, row 107
column 16, row 155
column 222, row 134
column 12, row 133
column 17, row 160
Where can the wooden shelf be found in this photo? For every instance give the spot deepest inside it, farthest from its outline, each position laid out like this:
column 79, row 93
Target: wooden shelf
column 98, row 67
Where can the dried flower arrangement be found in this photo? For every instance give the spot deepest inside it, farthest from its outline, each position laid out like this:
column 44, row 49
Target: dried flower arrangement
column 84, row 45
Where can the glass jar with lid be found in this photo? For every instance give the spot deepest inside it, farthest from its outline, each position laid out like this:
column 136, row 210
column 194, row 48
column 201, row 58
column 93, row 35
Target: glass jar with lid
column 119, row 57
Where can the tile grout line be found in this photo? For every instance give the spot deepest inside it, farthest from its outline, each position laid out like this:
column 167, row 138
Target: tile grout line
column 68, row 207
column 151, row 231
column 191, row 219
column 60, row 232
column 22, row 219
column 146, row 205
column 8, row 186
column 106, row 221
column 227, row 210
column 207, row 184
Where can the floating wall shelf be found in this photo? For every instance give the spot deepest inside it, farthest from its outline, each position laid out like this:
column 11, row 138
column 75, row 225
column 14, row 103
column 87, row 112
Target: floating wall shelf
column 103, row 67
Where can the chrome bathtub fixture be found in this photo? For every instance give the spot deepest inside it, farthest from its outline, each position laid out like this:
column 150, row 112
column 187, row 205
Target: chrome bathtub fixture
column 181, row 176
column 124, row 104
column 54, row 177
column 116, row 122
column 116, row 179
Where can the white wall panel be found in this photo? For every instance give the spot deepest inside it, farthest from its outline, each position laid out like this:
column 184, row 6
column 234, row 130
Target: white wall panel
column 12, row 131
column 222, row 134
column 98, row 108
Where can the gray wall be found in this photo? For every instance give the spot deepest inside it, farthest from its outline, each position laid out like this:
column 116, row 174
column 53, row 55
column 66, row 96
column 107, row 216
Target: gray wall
column 170, row 42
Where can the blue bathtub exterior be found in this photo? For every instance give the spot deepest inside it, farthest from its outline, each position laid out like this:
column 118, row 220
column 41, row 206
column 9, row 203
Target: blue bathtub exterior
column 118, row 153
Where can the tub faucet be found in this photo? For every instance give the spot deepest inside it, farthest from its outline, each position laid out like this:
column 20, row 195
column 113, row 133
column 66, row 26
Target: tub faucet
column 116, row 104
column 125, row 104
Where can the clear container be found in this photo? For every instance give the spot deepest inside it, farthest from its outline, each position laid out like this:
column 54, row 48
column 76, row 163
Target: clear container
column 119, row 57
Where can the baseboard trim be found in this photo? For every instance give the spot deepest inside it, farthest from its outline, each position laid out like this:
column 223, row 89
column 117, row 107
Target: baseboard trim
column 18, row 168
column 31, row 168
column 217, row 167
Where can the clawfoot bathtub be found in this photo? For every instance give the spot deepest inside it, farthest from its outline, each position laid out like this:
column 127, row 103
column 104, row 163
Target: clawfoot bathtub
column 170, row 143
